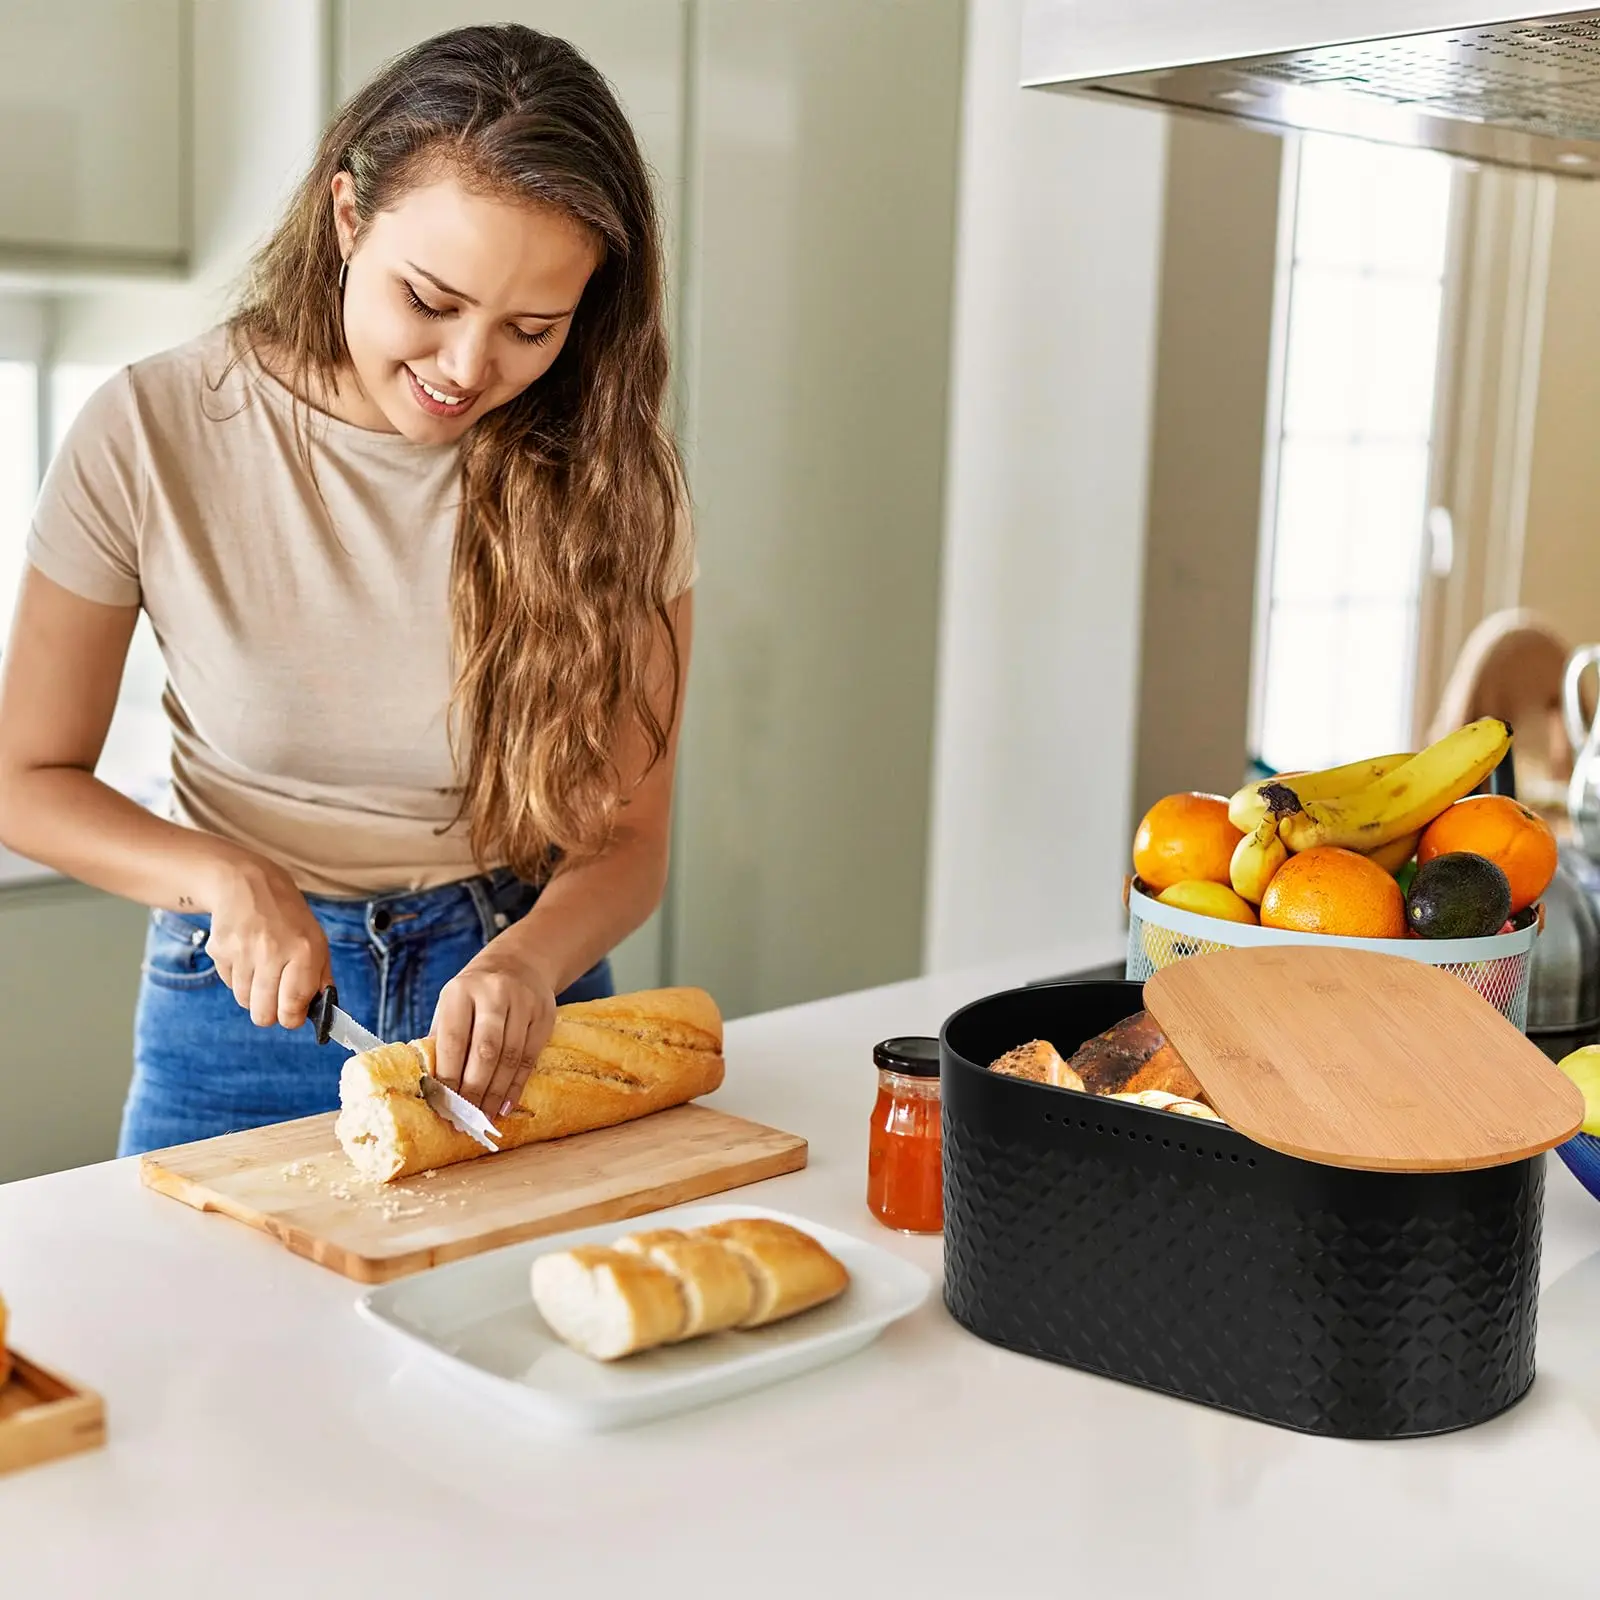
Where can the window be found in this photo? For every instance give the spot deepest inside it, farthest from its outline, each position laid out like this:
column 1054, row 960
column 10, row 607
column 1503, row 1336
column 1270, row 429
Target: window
column 19, row 470
column 1361, row 285
column 136, row 753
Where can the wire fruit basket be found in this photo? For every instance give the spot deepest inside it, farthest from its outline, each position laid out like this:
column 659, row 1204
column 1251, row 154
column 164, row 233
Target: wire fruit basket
column 1498, row 967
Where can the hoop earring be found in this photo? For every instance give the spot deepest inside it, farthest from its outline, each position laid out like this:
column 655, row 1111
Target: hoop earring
column 344, row 269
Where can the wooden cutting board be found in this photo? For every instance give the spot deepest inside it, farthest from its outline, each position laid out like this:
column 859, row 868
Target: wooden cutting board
column 293, row 1182
column 1361, row 1060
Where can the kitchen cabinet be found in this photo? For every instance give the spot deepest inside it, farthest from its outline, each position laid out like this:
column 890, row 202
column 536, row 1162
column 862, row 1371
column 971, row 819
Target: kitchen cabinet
column 94, row 100
column 69, row 977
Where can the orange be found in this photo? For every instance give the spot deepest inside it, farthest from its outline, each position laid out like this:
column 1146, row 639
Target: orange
column 1184, row 839
column 1328, row 890
column 1517, row 840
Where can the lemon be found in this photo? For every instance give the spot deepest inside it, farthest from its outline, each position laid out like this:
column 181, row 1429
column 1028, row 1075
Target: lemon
column 1583, row 1067
column 1208, row 900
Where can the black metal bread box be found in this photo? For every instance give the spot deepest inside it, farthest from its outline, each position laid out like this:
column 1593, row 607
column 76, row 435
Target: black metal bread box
column 1177, row 1254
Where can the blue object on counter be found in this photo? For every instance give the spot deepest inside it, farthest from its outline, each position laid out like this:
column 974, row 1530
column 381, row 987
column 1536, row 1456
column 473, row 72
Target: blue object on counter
column 1582, row 1155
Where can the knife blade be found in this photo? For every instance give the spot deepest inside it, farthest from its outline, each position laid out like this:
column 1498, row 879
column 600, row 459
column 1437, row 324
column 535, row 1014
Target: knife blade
column 330, row 1022
column 459, row 1112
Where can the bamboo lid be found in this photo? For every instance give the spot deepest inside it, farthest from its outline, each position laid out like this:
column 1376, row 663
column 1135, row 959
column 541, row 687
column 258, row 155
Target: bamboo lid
column 1360, row 1060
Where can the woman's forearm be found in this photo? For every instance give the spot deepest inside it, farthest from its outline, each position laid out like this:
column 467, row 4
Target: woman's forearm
column 66, row 818
column 586, row 910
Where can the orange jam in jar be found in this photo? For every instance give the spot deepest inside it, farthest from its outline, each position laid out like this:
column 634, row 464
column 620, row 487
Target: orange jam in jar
column 905, row 1169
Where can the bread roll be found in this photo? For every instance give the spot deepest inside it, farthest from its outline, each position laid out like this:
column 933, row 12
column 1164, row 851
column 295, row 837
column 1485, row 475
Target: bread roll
column 608, row 1061
column 607, row 1303
column 1039, row 1062
column 789, row 1271
column 716, row 1287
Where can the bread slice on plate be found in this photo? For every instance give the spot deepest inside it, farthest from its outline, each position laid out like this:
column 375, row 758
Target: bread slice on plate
column 607, row 1303
column 717, row 1288
column 788, row 1269
column 663, row 1286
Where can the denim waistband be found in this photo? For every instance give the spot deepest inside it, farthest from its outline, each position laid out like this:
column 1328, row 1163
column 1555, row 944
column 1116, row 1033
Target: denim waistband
column 492, row 900
column 488, row 903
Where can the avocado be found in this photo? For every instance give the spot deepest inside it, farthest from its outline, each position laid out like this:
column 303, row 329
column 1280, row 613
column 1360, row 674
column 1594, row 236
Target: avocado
column 1458, row 896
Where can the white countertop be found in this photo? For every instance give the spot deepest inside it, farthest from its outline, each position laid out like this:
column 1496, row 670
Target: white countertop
column 264, row 1441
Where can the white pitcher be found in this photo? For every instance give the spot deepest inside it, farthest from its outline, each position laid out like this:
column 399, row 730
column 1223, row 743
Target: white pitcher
column 1583, row 794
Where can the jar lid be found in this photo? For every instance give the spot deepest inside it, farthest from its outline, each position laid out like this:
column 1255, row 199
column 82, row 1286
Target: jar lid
column 916, row 1056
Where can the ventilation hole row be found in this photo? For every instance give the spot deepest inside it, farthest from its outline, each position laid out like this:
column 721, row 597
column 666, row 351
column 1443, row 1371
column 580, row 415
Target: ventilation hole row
column 1150, row 1138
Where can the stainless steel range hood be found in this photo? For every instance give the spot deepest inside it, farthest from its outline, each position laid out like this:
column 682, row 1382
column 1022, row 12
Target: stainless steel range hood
column 1504, row 86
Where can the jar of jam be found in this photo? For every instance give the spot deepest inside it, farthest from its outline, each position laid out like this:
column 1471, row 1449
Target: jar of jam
column 905, row 1177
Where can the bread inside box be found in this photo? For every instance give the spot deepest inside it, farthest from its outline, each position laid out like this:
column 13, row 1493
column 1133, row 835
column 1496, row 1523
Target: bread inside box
column 1130, row 1060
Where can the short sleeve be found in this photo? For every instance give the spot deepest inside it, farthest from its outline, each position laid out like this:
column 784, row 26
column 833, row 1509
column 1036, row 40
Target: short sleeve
column 683, row 567
column 85, row 528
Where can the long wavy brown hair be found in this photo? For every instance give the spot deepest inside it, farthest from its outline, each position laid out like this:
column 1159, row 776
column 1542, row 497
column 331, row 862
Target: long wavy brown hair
column 566, row 535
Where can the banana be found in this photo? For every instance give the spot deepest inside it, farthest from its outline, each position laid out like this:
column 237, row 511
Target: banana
column 1403, row 801
column 1247, row 807
column 1256, row 858
column 1391, row 857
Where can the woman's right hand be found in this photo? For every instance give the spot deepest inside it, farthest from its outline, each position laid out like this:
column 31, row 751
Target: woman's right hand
column 268, row 947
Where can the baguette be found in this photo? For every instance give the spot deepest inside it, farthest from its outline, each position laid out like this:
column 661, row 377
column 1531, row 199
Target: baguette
column 717, row 1289
column 608, row 1061
column 789, row 1271
column 607, row 1303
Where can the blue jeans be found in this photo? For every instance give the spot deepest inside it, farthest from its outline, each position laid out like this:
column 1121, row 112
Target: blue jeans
column 201, row 1067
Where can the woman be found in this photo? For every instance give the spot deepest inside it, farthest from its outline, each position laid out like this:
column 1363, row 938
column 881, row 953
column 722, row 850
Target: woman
column 410, row 532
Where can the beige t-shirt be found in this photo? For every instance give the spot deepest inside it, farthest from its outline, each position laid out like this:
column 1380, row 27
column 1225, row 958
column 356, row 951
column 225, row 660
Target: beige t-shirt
column 306, row 636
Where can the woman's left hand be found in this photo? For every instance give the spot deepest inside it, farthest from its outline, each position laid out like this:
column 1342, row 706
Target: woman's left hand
column 493, row 1019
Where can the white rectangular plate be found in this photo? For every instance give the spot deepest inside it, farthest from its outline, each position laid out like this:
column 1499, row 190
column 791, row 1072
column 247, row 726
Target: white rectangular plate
column 477, row 1316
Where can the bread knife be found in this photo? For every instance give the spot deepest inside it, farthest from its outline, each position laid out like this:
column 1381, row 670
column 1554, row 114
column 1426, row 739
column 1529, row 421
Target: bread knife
column 329, row 1022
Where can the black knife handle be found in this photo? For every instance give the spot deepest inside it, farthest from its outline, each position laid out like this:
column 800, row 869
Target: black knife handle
column 320, row 1012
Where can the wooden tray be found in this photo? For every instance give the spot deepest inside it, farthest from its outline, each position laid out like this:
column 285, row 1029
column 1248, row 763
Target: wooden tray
column 1358, row 1060
column 293, row 1182
column 44, row 1416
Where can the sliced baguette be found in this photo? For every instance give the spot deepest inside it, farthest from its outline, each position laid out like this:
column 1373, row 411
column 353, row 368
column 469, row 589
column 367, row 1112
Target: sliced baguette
column 789, row 1271
column 607, row 1303
column 717, row 1289
column 610, row 1301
